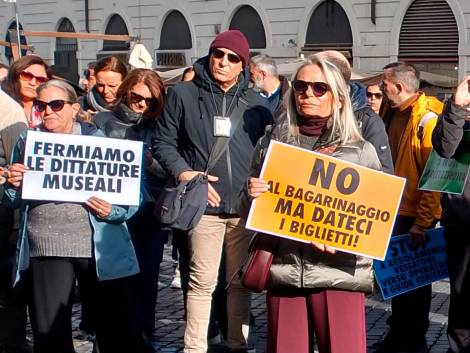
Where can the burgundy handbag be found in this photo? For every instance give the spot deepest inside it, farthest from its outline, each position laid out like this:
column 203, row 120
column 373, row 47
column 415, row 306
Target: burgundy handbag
column 255, row 272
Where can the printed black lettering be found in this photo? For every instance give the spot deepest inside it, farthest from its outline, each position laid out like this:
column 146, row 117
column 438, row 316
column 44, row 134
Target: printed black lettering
column 347, row 173
column 318, row 171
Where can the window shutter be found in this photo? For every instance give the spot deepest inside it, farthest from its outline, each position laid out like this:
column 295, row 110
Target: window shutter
column 429, row 30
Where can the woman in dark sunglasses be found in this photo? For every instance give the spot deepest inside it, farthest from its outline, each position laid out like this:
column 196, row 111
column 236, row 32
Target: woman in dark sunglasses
column 323, row 289
column 133, row 115
column 61, row 242
column 375, row 98
column 24, row 76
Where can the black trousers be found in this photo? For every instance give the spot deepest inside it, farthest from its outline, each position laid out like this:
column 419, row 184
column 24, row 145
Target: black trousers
column 458, row 259
column 53, row 282
column 148, row 237
column 12, row 303
column 410, row 311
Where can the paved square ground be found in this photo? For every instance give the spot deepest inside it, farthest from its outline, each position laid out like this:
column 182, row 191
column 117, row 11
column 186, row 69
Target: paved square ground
column 170, row 324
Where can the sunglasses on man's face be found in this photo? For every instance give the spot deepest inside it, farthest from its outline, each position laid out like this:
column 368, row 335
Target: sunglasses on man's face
column 318, row 88
column 377, row 95
column 232, row 58
column 28, row 76
column 135, row 98
column 56, row 105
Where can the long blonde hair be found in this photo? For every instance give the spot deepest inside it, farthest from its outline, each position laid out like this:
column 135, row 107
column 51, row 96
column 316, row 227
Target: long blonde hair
column 343, row 121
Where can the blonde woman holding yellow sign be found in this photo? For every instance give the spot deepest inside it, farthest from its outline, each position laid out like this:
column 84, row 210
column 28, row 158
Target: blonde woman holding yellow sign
column 314, row 289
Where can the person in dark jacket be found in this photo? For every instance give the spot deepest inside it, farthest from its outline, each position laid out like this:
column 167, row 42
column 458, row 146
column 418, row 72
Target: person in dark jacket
column 196, row 114
column 271, row 86
column 139, row 102
column 449, row 141
column 371, row 125
column 12, row 314
column 62, row 241
column 110, row 71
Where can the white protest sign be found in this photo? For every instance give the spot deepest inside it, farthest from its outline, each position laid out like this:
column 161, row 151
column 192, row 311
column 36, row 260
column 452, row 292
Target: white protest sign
column 74, row 167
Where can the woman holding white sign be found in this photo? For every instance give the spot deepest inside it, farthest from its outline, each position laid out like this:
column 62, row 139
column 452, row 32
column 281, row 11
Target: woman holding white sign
column 314, row 289
column 62, row 241
column 133, row 116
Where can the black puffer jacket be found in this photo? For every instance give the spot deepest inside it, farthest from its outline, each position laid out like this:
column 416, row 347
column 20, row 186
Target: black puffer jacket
column 184, row 135
column 448, row 141
column 123, row 123
column 371, row 125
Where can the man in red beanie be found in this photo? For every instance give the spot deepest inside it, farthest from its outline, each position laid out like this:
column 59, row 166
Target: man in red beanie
column 214, row 106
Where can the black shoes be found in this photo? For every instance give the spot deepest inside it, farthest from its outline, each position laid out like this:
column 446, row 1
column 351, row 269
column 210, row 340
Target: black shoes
column 391, row 345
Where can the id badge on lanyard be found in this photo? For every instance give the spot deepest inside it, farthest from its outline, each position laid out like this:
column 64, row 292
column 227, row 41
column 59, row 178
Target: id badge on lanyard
column 222, row 126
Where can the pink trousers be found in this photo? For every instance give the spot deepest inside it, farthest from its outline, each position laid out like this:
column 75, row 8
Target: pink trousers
column 337, row 318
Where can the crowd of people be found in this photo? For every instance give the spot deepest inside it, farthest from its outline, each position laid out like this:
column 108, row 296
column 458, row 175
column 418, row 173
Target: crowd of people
column 110, row 254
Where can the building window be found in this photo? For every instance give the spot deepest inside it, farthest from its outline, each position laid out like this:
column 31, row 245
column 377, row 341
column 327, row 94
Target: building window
column 116, row 25
column 247, row 20
column 429, row 31
column 175, row 33
column 329, row 28
column 8, row 52
column 66, row 44
column 65, row 55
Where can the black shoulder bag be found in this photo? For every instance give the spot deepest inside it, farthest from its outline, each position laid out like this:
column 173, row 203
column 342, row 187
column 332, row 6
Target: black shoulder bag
column 182, row 206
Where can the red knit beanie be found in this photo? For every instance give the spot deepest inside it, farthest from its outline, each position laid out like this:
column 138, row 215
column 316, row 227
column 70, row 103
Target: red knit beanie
column 235, row 41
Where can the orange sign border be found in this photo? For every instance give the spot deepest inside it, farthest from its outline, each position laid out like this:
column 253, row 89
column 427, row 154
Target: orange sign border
column 323, row 156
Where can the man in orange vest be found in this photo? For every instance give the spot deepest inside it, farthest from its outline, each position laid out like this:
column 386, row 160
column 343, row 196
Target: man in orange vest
column 410, row 123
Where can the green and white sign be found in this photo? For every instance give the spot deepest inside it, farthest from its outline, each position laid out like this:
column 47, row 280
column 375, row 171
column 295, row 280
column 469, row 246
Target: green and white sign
column 447, row 174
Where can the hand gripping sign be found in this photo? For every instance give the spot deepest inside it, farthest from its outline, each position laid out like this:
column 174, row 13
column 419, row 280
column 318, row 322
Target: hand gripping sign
column 74, row 167
column 406, row 267
column 314, row 197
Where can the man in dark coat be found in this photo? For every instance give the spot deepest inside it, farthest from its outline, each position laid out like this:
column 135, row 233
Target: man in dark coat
column 196, row 114
column 371, row 125
column 449, row 141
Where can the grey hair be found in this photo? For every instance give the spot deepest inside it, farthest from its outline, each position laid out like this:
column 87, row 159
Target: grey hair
column 343, row 120
column 69, row 93
column 404, row 73
column 266, row 63
column 63, row 86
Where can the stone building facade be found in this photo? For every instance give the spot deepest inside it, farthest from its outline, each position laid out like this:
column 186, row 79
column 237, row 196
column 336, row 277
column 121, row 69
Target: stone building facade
column 432, row 33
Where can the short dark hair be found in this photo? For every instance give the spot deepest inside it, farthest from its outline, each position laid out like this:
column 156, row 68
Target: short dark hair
column 404, row 73
column 90, row 66
column 111, row 63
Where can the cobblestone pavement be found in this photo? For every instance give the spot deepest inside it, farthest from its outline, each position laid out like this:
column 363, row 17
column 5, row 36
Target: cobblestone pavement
column 170, row 324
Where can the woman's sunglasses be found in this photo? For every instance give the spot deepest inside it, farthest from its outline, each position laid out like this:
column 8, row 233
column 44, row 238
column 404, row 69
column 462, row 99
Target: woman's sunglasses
column 377, row 95
column 232, row 58
column 56, row 105
column 318, row 88
column 28, row 76
column 135, row 98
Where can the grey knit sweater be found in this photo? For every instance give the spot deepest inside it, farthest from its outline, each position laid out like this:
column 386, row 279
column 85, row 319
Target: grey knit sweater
column 59, row 229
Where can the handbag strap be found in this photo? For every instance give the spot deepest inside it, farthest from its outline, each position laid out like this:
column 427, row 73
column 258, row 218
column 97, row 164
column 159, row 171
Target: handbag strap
column 221, row 143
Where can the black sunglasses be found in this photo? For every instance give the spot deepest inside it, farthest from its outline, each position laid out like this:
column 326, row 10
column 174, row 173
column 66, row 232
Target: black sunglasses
column 56, row 105
column 377, row 95
column 135, row 98
column 318, row 88
column 219, row 54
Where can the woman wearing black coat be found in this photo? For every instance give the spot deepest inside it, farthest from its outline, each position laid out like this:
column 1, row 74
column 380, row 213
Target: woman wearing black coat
column 133, row 115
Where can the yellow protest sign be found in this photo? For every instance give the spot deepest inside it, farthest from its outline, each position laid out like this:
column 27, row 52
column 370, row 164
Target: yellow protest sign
column 314, row 197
